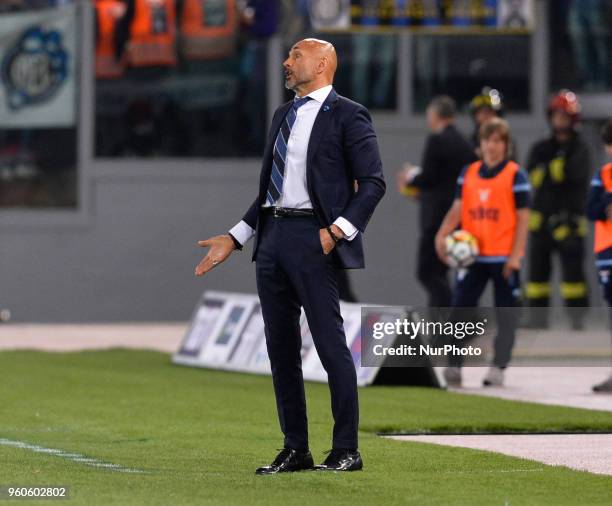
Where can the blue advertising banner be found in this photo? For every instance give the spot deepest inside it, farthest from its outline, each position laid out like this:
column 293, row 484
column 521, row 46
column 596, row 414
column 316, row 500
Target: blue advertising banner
column 443, row 14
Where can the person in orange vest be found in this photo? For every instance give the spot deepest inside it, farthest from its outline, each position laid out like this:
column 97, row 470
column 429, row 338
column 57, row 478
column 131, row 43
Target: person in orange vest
column 153, row 34
column 492, row 203
column 110, row 60
column 599, row 210
column 208, row 28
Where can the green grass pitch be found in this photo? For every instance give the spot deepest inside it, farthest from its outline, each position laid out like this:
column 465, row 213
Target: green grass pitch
column 200, row 434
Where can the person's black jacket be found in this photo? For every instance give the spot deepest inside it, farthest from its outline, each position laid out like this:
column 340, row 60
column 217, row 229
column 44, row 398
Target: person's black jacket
column 445, row 154
column 559, row 175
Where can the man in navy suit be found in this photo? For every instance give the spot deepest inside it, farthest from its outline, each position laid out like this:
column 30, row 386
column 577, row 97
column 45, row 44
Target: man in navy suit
column 320, row 181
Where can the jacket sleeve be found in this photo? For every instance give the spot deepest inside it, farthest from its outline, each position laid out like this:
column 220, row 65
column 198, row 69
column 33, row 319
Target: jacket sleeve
column 250, row 217
column 361, row 148
column 429, row 176
column 598, row 199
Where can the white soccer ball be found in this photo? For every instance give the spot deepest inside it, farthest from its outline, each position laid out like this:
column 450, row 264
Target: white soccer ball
column 461, row 249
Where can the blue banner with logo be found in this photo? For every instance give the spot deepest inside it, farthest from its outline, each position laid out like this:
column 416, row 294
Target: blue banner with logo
column 37, row 68
column 445, row 15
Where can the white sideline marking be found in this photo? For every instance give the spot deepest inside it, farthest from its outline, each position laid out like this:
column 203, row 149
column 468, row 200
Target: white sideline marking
column 583, row 452
column 536, row 470
column 75, row 457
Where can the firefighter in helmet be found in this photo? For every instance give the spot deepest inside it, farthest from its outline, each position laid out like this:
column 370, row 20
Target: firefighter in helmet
column 486, row 105
column 559, row 169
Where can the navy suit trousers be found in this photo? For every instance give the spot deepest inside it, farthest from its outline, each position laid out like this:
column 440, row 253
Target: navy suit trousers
column 293, row 272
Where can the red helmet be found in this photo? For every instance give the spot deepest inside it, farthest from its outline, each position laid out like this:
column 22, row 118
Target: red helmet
column 565, row 101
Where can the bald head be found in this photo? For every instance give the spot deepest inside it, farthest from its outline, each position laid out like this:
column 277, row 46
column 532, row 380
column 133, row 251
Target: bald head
column 311, row 65
column 323, row 50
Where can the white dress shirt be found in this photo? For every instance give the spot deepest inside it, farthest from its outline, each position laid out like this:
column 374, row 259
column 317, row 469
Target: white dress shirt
column 294, row 192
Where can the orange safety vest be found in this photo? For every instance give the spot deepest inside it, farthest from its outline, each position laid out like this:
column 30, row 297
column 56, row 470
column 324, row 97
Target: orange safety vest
column 208, row 29
column 488, row 210
column 108, row 13
column 603, row 228
column 153, row 34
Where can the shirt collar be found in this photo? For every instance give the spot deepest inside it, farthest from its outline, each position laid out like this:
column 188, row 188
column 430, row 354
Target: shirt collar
column 496, row 168
column 321, row 94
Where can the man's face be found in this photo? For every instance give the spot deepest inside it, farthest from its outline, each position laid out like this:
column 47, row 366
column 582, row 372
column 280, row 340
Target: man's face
column 300, row 67
column 483, row 115
column 432, row 119
column 560, row 121
column 608, row 150
column 494, row 148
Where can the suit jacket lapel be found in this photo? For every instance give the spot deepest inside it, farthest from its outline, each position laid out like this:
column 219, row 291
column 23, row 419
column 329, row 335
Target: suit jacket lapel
column 267, row 158
column 275, row 127
column 320, row 125
column 280, row 117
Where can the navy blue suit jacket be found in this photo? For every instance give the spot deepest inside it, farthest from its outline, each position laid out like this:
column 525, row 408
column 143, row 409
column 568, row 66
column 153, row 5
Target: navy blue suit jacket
column 342, row 149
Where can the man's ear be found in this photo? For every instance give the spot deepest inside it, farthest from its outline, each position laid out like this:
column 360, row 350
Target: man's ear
column 322, row 64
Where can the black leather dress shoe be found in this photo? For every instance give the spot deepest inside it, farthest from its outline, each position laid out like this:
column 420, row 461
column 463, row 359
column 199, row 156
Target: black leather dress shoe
column 287, row 461
column 342, row 460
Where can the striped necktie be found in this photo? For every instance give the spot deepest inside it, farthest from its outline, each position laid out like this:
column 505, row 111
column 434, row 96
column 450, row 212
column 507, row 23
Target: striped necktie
column 279, row 155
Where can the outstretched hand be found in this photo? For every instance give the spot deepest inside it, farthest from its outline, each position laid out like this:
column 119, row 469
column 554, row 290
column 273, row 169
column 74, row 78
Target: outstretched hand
column 221, row 247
